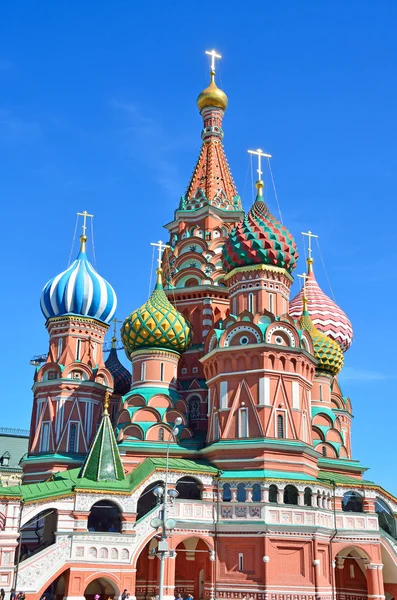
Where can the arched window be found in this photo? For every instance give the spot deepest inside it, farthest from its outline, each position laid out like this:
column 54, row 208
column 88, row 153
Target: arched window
column 241, row 493
column 251, row 302
column 38, row 533
column 143, row 371
column 273, row 494
column 256, row 492
column 104, row 516
column 386, row 518
column 308, row 497
column 352, row 502
column 194, row 408
column 78, row 349
column 72, row 437
column 216, row 427
column 290, row 494
column 280, row 426
column 271, row 303
column 226, row 492
column 188, row 488
column 161, row 434
column 243, row 422
column 147, row 500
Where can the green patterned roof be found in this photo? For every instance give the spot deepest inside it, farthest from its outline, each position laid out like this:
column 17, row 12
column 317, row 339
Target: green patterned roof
column 327, row 351
column 103, row 462
column 156, row 324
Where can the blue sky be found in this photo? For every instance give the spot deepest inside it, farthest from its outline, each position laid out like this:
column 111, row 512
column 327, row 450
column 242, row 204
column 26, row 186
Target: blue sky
column 97, row 113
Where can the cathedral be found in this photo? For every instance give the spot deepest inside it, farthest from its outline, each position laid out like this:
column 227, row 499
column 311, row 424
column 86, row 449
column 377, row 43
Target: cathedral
column 220, row 464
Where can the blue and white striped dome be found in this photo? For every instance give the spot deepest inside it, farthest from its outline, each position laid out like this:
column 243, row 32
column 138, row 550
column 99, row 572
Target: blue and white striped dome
column 79, row 291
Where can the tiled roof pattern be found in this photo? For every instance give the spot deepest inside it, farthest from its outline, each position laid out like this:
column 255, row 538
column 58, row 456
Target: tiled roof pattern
column 327, row 316
column 16, row 446
column 259, row 239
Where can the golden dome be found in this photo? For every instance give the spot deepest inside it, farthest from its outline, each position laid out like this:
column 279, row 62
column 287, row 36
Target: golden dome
column 212, row 96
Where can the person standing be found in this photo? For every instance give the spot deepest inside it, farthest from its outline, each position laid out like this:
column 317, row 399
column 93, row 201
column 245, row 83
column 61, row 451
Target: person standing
column 124, row 594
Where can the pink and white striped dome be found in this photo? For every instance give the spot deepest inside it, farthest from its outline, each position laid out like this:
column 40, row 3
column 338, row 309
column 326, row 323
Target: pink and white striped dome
column 325, row 314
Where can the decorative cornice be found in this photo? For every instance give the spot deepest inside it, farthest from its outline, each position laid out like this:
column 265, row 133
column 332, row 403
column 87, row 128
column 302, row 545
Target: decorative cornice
column 70, row 318
column 260, row 267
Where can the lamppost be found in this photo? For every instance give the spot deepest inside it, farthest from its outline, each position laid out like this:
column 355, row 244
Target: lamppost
column 165, row 496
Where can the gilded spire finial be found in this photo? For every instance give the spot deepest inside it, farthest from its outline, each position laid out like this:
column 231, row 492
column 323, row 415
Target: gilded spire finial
column 83, row 237
column 114, row 337
column 106, row 404
column 259, row 153
column 309, row 261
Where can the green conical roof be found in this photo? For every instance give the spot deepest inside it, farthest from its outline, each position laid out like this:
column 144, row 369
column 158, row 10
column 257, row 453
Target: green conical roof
column 103, row 462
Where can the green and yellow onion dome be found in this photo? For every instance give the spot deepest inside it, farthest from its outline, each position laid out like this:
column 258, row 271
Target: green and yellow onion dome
column 328, row 352
column 259, row 239
column 156, row 324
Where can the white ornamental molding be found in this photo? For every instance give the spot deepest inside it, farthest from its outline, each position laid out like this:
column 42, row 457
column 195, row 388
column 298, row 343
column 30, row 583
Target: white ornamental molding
column 95, row 538
column 85, row 501
column 285, row 330
column 242, row 329
column 370, row 494
column 33, row 574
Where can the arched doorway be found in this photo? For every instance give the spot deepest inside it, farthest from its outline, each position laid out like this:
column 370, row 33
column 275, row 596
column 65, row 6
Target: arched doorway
column 56, row 590
column 147, row 572
column 350, row 574
column 104, row 517
column 193, row 569
column 102, row 586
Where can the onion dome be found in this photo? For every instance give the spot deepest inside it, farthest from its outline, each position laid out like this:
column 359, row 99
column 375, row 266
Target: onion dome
column 79, row 291
column 121, row 376
column 325, row 314
column 259, row 239
column 156, row 324
column 212, row 96
column 328, row 353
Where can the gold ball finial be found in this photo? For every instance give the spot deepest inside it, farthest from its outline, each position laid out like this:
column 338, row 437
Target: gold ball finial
column 106, row 404
column 212, row 96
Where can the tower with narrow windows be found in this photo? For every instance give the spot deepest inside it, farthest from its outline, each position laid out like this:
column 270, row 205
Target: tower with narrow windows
column 193, row 270
column 69, row 387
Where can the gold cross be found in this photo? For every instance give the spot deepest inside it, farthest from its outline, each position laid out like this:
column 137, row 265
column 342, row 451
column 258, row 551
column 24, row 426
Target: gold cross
column 310, row 235
column 259, row 153
column 161, row 246
column 213, row 54
column 84, row 214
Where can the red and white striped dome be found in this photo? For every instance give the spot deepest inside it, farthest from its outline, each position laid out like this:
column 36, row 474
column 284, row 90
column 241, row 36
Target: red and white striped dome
column 325, row 314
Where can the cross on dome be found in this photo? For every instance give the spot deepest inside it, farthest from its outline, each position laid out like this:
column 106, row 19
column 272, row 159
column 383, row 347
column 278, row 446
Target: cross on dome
column 309, row 235
column 161, row 247
column 304, row 276
column 213, row 54
column 85, row 214
column 259, row 153
column 114, row 338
